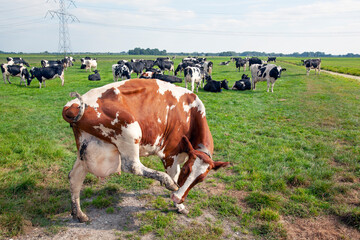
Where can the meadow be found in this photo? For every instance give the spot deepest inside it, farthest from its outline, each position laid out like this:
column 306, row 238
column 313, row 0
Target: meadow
column 294, row 154
column 341, row 65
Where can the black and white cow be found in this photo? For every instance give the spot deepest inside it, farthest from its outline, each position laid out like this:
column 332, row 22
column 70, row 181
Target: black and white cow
column 271, row 59
column 215, row 86
column 15, row 71
column 254, row 60
column 266, row 72
column 312, row 64
column 243, row 84
column 52, row 63
column 165, row 65
column 137, row 67
column 193, row 75
column 183, row 65
column 95, row 76
column 122, row 61
column 224, row 63
column 88, row 64
column 148, row 63
column 167, row 78
column 149, row 73
column 121, row 70
column 240, row 63
column 47, row 73
column 17, row 60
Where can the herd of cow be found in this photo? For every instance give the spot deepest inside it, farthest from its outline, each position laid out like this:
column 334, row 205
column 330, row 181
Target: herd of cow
column 196, row 71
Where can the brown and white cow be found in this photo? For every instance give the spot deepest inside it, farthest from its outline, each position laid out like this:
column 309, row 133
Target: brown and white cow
column 116, row 124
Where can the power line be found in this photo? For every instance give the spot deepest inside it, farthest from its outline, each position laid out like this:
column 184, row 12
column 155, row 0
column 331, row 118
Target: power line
column 64, row 19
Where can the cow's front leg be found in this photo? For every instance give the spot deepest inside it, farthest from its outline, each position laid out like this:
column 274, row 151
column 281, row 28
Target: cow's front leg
column 76, row 177
column 133, row 165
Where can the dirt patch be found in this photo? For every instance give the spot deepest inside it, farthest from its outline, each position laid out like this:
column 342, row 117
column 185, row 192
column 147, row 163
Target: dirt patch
column 320, row 228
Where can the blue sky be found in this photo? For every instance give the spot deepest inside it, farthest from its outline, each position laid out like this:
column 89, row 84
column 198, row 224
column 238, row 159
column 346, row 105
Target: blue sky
column 186, row 26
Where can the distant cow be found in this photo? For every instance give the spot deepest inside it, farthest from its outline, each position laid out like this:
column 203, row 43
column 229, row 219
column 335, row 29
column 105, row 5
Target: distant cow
column 88, row 64
column 312, row 64
column 15, row 71
column 267, row 72
column 148, row 63
column 271, row 59
column 165, row 65
column 47, row 73
column 120, row 70
column 224, row 63
column 51, row 63
column 114, row 125
column 95, row 76
column 254, row 60
column 17, row 60
column 240, row 63
column 193, row 75
column 243, row 84
column 137, row 67
column 215, row 86
column 183, row 65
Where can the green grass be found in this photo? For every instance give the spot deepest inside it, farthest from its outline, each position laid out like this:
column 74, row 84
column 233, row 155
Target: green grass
column 341, row 65
column 294, row 152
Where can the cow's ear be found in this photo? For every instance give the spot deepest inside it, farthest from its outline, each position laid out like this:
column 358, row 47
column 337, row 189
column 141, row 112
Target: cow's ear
column 218, row 165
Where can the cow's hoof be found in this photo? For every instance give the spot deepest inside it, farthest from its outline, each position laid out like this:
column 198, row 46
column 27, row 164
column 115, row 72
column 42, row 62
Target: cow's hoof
column 82, row 218
column 183, row 211
column 172, row 186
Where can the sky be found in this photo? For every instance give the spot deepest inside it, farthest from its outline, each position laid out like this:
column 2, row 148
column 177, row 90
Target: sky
column 283, row 26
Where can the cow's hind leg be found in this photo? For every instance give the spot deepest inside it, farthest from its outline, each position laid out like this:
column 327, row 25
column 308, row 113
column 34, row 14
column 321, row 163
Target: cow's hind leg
column 76, row 177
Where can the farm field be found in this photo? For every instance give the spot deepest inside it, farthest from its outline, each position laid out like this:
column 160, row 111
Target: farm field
column 341, row 65
column 294, row 154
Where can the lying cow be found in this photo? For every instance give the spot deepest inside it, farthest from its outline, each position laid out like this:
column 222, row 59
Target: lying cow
column 95, row 76
column 265, row 72
column 116, row 124
column 47, row 73
column 224, row 63
column 167, row 78
column 194, row 76
column 121, row 70
column 215, row 86
column 15, row 71
column 17, row 61
column 243, row 84
column 312, row 64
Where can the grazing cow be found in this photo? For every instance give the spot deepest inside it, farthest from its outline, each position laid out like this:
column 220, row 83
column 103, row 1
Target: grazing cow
column 88, row 64
column 47, row 73
column 52, row 63
column 312, row 64
column 241, row 63
column 271, row 59
column 137, row 67
column 243, row 84
column 122, row 61
column 167, row 78
column 120, row 70
column 224, row 63
column 254, row 60
column 148, row 63
column 116, row 124
column 95, row 76
column 17, row 60
column 267, row 72
column 193, row 75
column 215, row 86
column 165, row 65
column 15, row 71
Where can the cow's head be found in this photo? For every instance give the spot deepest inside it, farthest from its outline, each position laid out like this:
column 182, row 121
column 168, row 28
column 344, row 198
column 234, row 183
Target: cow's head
column 26, row 75
column 224, row 84
column 194, row 170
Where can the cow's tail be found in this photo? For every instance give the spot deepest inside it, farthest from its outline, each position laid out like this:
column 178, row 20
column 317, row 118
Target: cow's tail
column 69, row 113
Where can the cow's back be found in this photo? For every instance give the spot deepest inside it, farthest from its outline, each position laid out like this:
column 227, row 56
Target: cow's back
column 163, row 111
